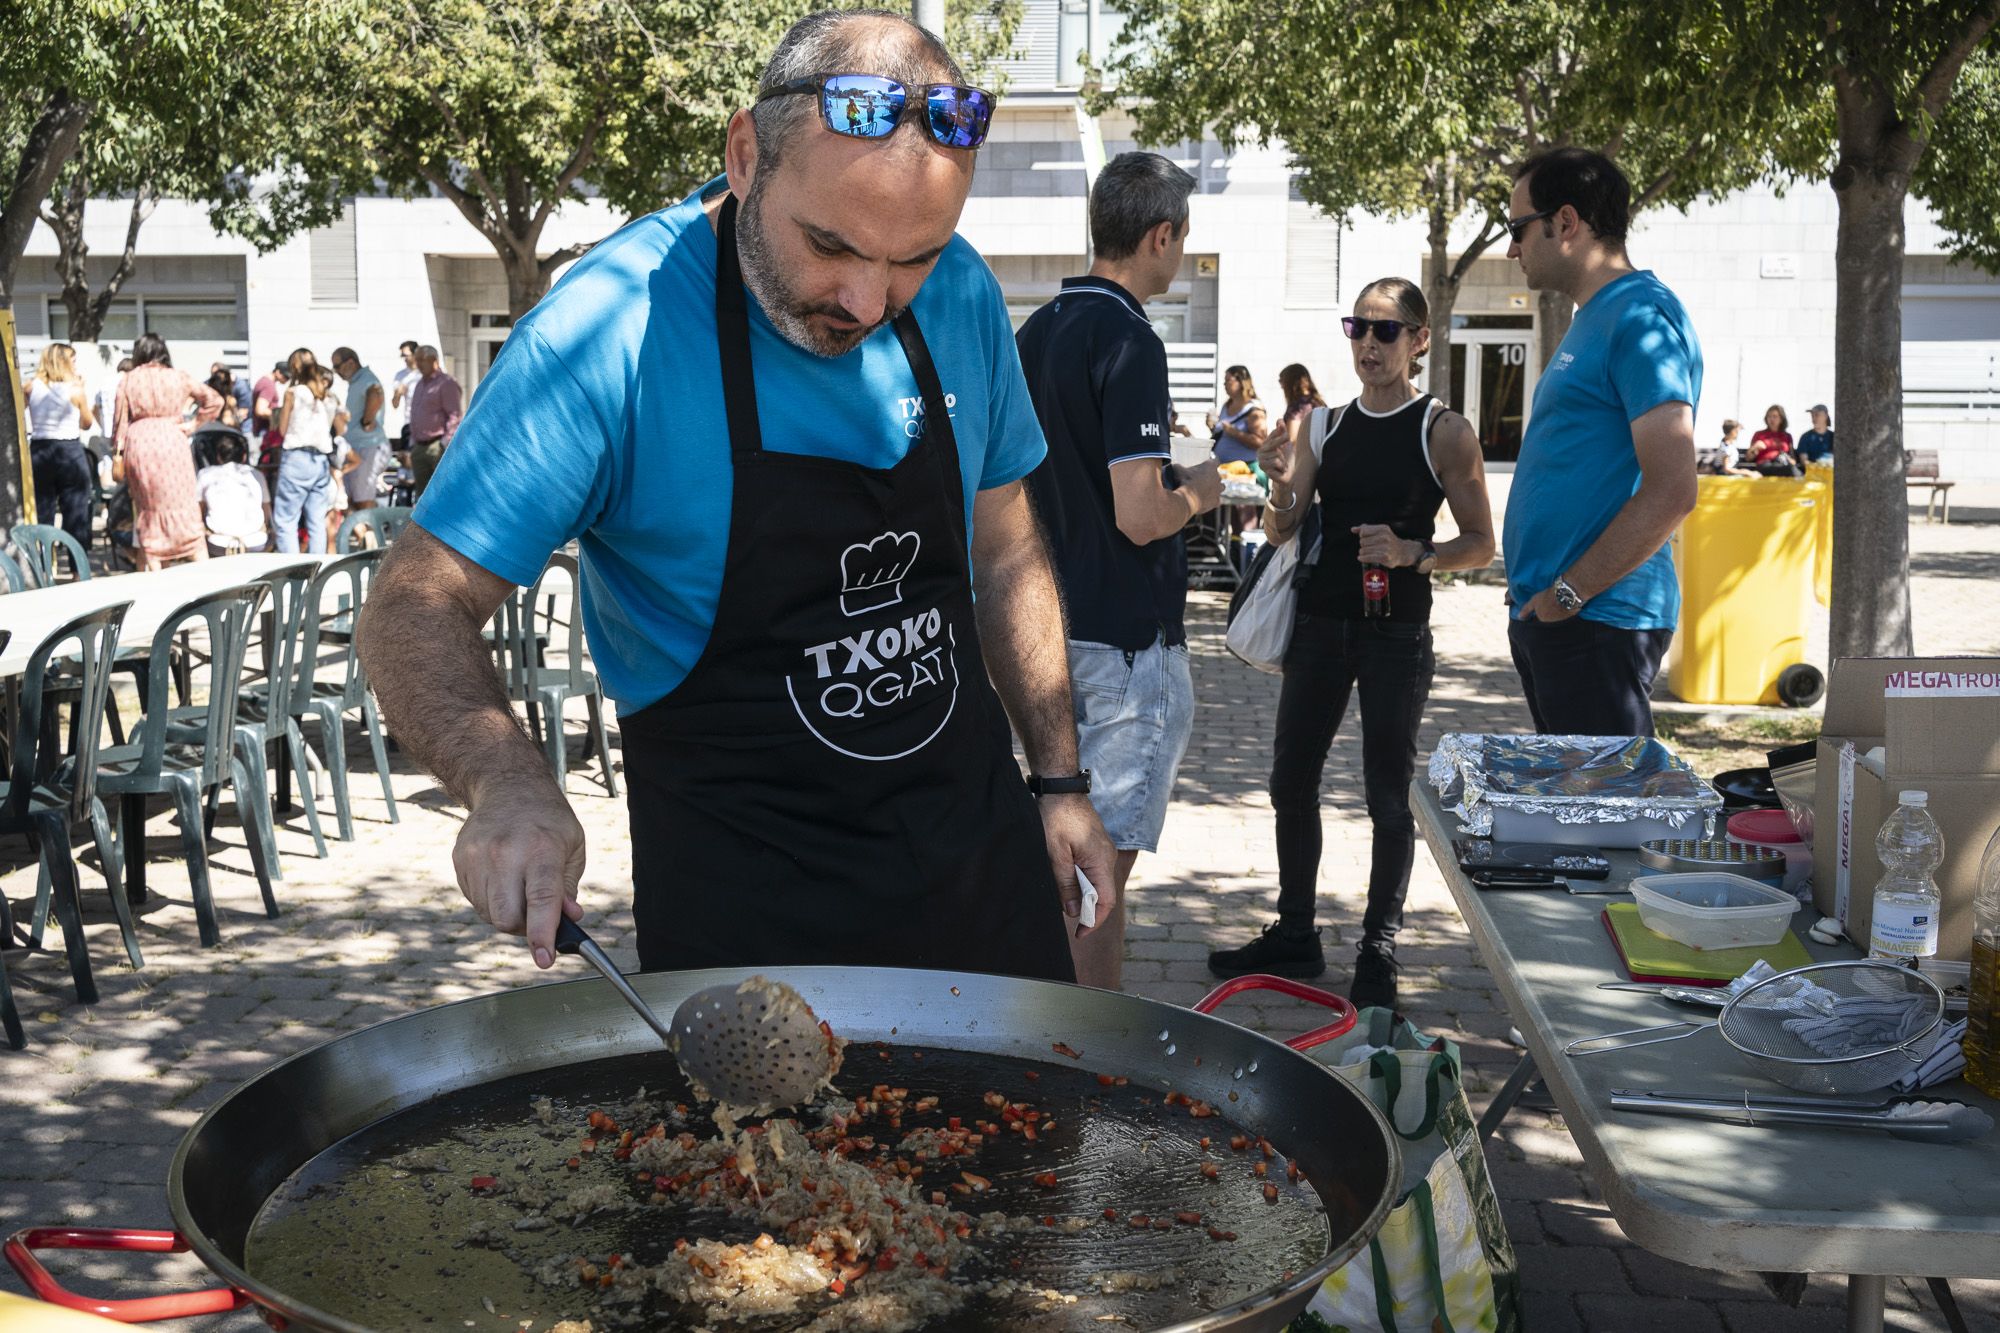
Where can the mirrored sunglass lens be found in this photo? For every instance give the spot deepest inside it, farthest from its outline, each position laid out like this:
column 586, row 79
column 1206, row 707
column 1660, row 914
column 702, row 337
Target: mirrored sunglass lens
column 959, row 116
column 862, row 105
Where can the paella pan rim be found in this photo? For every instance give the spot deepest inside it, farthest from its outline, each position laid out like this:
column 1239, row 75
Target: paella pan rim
column 342, row 1085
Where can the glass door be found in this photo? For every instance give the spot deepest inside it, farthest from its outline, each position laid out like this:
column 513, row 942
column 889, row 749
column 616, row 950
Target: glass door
column 1492, row 383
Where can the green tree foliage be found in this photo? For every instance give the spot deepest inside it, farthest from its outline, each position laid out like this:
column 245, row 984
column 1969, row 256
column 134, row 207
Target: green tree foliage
column 1425, row 110
column 509, row 108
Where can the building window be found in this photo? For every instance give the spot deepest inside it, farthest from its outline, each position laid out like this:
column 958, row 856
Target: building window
column 121, row 322
column 1312, row 258
column 336, row 279
column 192, row 318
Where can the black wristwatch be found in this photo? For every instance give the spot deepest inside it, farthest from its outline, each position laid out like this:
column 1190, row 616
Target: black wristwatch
column 1076, row 784
column 1427, row 561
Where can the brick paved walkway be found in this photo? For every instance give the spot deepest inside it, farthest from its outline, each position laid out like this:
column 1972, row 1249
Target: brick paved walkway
column 93, row 1108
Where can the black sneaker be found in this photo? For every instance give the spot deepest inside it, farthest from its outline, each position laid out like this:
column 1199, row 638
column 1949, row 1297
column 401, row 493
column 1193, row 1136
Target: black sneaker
column 1282, row 951
column 1374, row 981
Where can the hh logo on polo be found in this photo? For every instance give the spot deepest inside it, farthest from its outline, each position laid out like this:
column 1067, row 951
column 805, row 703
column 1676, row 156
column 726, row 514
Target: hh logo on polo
column 885, row 686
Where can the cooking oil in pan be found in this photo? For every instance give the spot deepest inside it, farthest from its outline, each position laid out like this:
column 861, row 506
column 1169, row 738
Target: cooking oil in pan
column 445, row 1214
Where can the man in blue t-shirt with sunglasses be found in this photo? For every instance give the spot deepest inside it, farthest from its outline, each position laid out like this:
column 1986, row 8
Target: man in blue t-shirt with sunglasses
column 785, row 422
column 1607, row 466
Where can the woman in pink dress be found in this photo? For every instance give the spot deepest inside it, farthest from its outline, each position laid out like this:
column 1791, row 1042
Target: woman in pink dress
column 153, row 458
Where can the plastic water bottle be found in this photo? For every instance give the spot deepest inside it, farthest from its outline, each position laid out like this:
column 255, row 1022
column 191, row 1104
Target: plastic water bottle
column 1982, row 1017
column 1904, row 926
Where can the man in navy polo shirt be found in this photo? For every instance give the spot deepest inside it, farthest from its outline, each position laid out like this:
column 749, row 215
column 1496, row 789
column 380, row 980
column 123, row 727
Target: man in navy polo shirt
column 1607, row 467
column 1113, row 507
column 785, row 423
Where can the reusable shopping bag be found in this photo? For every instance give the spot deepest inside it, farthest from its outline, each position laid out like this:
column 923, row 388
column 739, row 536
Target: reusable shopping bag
column 1442, row 1263
column 1265, row 605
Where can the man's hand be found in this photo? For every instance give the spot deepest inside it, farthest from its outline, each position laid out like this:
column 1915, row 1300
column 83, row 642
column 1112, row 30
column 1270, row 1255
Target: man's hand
column 1077, row 839
column 1546, row 608
column 1380, row 546
column 1205, row 480
column 519, row 857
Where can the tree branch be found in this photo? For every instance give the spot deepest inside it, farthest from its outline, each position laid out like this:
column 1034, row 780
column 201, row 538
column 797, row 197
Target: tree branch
column 1494, row 229
column 49, row 145
column 1935, row 87
column 579, row 162
column 1530, row 137
column 1660, row 183
column 465, row 156
column 470, row 206
column 549, row 263
column 143, row 199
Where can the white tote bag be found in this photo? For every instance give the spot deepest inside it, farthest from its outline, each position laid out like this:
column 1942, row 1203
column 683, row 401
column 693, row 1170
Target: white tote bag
column 1264, row 608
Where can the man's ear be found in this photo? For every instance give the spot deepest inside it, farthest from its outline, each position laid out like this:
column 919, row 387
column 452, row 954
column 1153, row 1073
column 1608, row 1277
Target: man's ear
column 739, row 154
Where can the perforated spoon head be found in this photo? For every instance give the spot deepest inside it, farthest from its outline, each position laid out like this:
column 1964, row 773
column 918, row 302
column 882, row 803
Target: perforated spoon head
column 755, row 1048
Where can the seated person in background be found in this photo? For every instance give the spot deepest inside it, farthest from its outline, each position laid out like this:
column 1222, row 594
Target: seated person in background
column 1773, row 444
column 1726, row 458
column 1816, row 445
column 235, row 501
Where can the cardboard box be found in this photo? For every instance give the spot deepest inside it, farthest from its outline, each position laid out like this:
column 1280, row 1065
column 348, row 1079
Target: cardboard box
column 1939, row 721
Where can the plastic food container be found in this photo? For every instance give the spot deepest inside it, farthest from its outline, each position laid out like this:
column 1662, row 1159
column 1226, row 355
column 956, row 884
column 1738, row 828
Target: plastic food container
column 1774, row 828
column 1713, row 910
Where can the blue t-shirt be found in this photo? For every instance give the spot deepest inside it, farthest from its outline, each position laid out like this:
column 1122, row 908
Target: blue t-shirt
column 357, row 399
column 1815, row 445
column 1630, row 349
column 602, row 420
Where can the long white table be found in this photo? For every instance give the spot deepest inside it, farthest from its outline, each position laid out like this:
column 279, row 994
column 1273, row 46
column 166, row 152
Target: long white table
column 1789, row 1199
column 29, row 617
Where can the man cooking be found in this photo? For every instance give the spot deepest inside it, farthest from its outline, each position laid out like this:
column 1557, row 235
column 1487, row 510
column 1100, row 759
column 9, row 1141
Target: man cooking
column 775, row 416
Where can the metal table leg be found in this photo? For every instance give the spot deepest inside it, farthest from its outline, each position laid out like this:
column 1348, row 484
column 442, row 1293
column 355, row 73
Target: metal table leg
column 1866, row 1294
column 1503, row 1101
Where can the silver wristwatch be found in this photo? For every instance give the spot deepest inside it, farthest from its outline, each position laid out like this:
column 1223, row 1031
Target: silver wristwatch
column 1568, row 598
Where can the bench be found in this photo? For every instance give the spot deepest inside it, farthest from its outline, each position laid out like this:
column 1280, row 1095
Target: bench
column 1920, row 469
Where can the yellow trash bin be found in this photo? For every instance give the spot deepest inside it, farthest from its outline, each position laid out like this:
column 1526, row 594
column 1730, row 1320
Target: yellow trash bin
column 1747, row 560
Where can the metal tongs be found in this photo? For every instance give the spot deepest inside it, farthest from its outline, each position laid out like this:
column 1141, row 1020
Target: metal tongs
column 1931, row 1122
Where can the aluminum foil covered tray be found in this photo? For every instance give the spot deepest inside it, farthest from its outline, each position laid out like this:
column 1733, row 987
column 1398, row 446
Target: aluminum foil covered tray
column 1607, row 790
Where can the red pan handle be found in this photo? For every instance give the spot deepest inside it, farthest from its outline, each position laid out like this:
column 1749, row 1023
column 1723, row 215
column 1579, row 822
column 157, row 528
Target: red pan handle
column 20, row 1251
column 1298, row 990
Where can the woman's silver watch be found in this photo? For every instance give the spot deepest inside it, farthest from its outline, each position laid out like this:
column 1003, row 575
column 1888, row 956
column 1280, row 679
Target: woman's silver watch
column 1568, row 598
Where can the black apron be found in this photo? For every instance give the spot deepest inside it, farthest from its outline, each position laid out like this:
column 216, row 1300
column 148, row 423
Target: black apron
column 834, row 781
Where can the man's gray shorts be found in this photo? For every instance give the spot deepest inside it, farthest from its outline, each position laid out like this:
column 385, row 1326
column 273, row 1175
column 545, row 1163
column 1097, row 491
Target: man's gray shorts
column 1134, row 715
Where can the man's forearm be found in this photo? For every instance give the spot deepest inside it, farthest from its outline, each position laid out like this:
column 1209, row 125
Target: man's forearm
column 1021, row 635
column 1640, row 528
column 440, row 694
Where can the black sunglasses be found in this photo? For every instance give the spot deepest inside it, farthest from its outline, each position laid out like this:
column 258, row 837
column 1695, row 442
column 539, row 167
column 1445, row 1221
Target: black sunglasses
column 868, row 106
column 1518, row 227
column 1385, row 330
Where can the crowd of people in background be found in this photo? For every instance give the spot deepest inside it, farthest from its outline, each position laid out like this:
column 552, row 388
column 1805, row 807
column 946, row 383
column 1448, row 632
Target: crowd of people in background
column 1771, row 452
column 191, row 468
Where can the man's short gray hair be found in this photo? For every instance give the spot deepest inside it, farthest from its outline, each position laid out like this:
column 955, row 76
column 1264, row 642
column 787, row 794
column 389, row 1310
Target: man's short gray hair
column 1135, row 193
column 844, row 41
column 429, row 351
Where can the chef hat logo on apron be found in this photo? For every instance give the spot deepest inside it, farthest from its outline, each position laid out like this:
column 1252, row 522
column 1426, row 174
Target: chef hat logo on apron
column 887, row 689
column 871, row 573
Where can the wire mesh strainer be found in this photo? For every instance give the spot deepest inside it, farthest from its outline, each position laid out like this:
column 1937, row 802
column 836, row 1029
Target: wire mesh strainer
column 1832, row 1028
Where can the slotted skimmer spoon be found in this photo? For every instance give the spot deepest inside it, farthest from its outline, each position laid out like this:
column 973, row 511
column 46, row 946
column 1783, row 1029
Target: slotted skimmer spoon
column 754, row 1047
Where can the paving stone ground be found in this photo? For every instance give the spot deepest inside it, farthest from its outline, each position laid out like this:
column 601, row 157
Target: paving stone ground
column 93, row 1107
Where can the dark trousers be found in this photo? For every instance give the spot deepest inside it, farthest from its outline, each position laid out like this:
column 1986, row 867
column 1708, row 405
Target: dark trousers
column 62, row 485
column 1583, row 678
column 1392, row 665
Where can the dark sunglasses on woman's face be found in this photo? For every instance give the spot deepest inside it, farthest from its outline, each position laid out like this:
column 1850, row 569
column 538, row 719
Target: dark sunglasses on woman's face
column 1385, row 330
column 868, row 106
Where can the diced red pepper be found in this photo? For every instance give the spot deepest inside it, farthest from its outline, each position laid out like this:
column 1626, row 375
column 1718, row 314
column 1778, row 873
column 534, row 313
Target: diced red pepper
column 1292, row 1172
column 1188, row 1219
column 1111, row 1214
column 1064, row 1048
column 1270, row 1193
column 485, row 1182
column 1046, row 1179
column 1209, row 1169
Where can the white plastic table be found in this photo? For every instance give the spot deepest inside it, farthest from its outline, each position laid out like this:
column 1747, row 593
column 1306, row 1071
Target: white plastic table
column 31, row 616
column 1787, row 1199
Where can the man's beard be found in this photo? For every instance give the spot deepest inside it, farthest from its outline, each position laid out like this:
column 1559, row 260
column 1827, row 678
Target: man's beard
column 788, row 314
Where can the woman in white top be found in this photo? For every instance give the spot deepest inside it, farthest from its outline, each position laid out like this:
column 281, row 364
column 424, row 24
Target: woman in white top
column 59, row 412
column 308, row 417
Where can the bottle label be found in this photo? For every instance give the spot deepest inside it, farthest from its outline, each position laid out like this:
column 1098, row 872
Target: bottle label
column 1899, row 931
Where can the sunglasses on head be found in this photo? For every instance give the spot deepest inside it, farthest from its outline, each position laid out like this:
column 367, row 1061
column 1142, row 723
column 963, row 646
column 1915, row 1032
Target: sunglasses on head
column 868, row 106
column 1385, row 330
column 1518, row 227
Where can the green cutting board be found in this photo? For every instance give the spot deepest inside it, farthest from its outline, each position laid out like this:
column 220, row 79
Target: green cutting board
column 1650, row 957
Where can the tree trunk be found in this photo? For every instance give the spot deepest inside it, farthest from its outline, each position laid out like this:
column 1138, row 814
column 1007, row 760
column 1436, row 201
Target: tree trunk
column 1556, row 312
column 49, row 145
column 527, row 282
column 64, row 217
column 1441, row 292
column 1871, row 536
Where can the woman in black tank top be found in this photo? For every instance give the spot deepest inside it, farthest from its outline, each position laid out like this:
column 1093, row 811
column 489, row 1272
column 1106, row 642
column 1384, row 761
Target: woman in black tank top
column 1382, row 466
